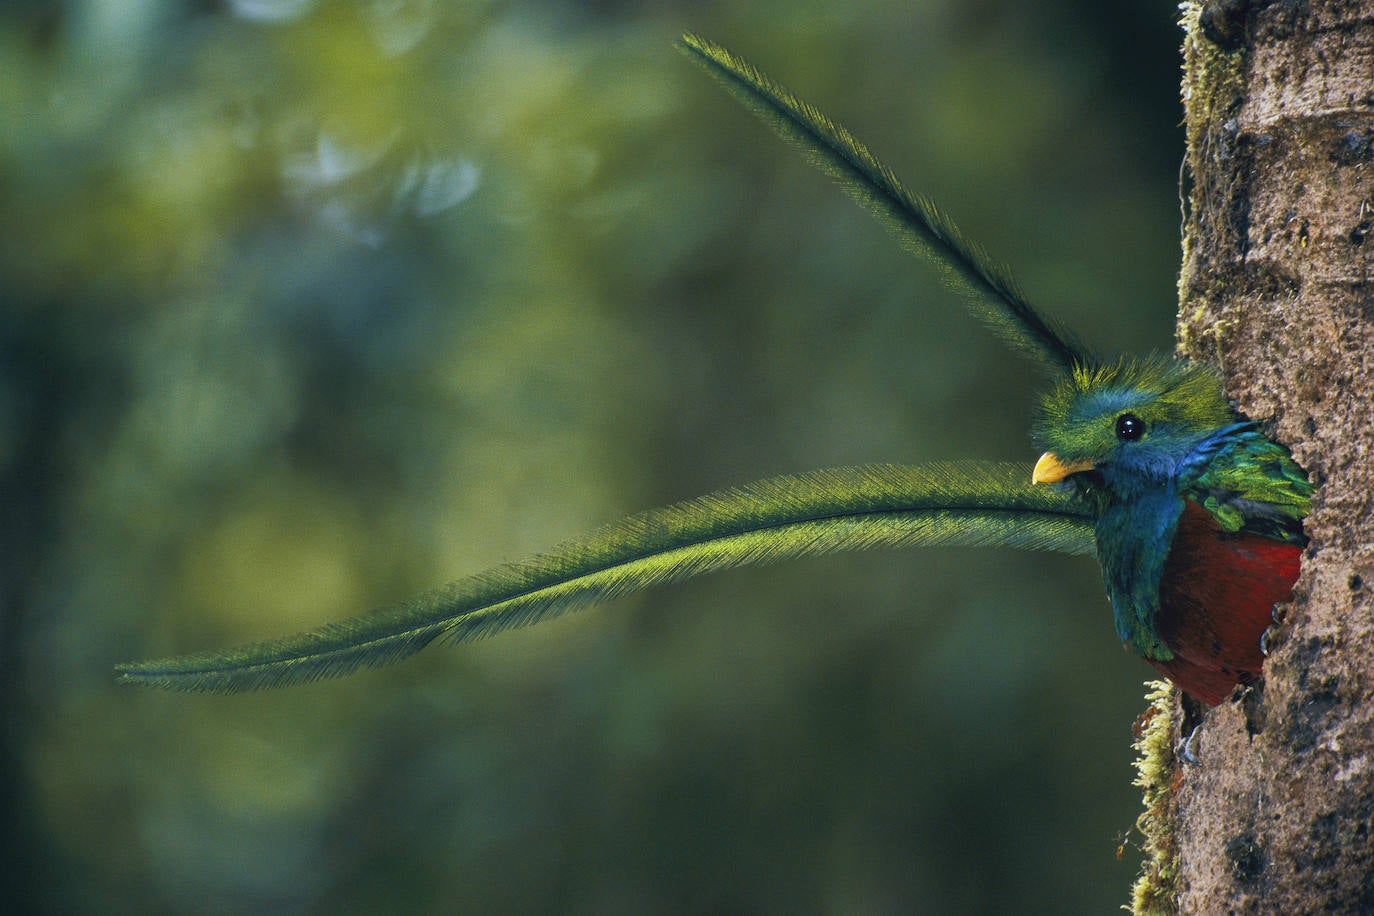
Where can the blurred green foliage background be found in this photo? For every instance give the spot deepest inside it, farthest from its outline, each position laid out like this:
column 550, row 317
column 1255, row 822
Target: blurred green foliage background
column 307, row 306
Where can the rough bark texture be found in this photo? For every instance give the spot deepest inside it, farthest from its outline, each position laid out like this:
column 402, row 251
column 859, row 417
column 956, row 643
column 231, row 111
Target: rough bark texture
column 1278, row 289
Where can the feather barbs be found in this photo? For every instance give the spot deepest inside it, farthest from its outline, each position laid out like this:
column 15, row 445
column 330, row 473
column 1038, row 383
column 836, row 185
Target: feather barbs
column 992, row 295
column 953, row 504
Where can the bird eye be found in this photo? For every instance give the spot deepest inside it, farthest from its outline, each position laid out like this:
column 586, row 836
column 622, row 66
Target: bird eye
column 1129, row 427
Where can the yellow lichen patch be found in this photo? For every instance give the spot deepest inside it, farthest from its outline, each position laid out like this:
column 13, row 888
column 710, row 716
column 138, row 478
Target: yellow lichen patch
column 1212, row 84
column 1213, row 77
column 1155, row 892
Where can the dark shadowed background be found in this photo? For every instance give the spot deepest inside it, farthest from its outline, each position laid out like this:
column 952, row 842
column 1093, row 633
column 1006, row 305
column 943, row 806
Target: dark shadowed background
column 305, row 307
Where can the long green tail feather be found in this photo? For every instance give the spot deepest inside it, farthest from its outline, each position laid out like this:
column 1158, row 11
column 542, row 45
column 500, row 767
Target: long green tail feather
column 991, row 292
column 966, row 503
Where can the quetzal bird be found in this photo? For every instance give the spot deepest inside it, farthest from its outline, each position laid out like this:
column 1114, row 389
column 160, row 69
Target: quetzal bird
column 1194, row 514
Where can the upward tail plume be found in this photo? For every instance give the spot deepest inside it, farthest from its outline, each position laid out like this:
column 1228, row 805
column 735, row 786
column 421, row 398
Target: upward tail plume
column 990, row 291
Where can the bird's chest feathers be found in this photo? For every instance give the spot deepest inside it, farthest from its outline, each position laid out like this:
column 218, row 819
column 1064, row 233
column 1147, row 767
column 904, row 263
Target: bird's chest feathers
column 1133, row 540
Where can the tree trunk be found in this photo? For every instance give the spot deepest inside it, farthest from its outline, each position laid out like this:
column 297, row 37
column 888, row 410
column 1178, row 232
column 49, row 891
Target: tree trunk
column 1278, row 817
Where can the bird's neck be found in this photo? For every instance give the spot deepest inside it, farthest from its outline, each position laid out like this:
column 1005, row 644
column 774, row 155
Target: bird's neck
column 1133, row 538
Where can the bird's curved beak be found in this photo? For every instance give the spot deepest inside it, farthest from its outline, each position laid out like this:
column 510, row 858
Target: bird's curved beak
column 1050, row 469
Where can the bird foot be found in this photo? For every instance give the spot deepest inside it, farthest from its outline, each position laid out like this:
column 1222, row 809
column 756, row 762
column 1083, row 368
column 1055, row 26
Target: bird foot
column 1278, row 614
column 1267, row 640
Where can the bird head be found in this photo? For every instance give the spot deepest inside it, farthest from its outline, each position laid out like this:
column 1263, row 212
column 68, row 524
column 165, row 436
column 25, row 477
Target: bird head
column 1128, row 426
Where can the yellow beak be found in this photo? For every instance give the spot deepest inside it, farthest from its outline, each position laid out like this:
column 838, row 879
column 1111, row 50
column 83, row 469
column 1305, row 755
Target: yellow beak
column 1049, row 468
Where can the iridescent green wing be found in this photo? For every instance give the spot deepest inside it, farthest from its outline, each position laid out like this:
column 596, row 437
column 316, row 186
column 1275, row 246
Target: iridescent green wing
column 973, row 504
column 1250, row 482
column 991, row 293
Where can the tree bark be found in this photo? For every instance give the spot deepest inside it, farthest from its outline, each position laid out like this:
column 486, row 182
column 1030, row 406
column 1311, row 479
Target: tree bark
column 1278, row 817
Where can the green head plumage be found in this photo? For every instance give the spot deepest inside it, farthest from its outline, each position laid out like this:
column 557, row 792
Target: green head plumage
column 1132, row 422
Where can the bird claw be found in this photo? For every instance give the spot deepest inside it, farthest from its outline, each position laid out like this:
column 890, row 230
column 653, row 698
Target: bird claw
column 1186, row 750
column 1267, row 639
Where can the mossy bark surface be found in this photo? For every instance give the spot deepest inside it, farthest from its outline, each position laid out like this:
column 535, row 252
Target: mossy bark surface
column 1277, row 288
